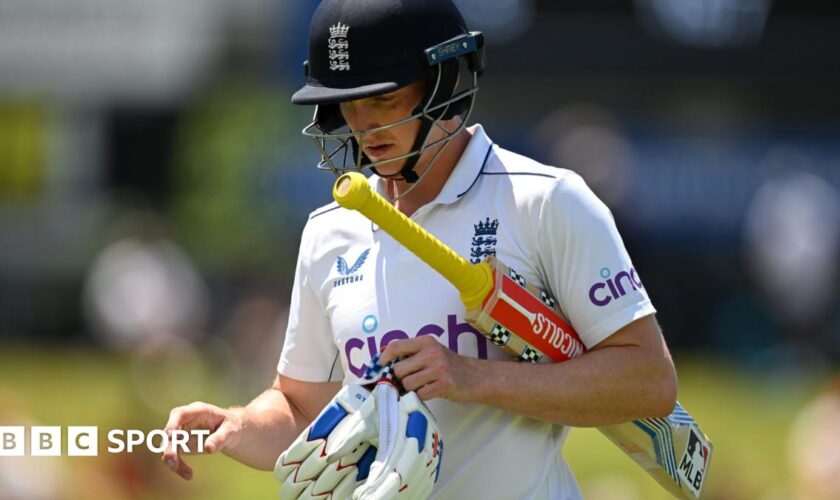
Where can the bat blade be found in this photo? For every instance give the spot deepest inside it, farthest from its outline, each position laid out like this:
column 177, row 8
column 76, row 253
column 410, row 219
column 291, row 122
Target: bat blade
column 527, row 323
column 673, row 450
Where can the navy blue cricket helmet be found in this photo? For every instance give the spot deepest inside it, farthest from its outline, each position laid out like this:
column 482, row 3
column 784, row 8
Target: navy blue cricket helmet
column 363, row 48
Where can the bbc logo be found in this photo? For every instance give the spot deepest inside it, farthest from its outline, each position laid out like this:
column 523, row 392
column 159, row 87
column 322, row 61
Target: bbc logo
column 82, row 441
column 45, row 441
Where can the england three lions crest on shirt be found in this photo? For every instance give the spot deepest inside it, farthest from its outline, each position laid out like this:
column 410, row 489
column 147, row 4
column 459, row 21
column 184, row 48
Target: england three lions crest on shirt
column 484, row 240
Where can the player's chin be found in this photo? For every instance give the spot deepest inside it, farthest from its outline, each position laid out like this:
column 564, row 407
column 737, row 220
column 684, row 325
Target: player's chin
column 390, row 168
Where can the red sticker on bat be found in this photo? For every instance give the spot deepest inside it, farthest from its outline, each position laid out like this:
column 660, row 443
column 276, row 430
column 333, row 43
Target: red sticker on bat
column 535, row 323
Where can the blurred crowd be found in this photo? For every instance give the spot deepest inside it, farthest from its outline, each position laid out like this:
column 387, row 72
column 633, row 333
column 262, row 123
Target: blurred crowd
column 154, row 183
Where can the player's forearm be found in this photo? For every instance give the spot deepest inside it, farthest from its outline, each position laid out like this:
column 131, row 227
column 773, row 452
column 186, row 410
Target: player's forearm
column 605, row 386
column 269, row 425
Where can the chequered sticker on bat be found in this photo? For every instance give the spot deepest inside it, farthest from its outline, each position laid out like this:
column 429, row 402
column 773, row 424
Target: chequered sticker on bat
column 529, row 354
column 517, row 277
column 499, row 335
column 547, row 299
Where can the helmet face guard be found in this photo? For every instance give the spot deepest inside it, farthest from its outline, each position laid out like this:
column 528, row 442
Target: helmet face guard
column 341, row 148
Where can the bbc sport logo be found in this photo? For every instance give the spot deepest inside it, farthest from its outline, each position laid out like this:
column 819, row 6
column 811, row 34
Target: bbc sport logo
column 83, row 441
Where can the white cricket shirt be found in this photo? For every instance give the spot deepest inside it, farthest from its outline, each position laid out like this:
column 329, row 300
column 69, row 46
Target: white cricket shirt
column 357, row 289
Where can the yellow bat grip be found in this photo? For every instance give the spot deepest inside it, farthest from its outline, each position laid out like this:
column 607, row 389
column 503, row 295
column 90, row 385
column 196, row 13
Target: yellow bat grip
column 473, row 281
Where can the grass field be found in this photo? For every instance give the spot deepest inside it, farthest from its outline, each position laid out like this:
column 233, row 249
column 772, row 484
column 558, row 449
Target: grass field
column 746, row 415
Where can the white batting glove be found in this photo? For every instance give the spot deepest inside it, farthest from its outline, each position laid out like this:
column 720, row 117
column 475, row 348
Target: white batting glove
column 304, row 468
column 409, row 452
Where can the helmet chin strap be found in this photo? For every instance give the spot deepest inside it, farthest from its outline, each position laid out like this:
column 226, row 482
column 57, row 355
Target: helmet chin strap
column 407, row 172
column 432, row 162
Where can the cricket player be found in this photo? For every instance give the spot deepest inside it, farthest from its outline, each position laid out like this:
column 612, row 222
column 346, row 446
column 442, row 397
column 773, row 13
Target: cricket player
column 393, row 83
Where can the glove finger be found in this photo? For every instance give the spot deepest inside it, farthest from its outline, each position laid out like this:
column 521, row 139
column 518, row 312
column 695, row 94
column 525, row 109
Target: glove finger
column 312, row 466
column 422, row 427
column 292, row 490
column 282, row 472
column 416, row 459
column 353, row 457
column 385, row 489
column 416, row 471
column 306, row 494
column 335, row 472
column 303, row 476
column 360, row 427
column 410, row 468
column 331, row 477
column 291, row 458
column 382, row 469
column 348, row 435
column 389, row 488
column 345, row 488
column 340, row 445
column 314, row 469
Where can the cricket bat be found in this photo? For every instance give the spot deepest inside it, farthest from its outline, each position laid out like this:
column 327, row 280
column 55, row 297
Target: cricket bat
column 528, row 323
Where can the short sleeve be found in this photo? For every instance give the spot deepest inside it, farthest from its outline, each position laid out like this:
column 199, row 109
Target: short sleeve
column 586, row 263
column 309, row 353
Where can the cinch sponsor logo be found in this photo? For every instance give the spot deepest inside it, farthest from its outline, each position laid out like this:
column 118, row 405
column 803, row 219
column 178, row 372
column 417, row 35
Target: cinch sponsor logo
column 373, row 345
column 82, row 441
column 613, row 288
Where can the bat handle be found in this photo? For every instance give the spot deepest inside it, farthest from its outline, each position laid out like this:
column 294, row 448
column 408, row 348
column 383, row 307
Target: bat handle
column 474, row 282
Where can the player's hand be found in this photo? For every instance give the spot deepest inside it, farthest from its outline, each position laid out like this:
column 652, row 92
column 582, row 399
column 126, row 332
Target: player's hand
column 225, row 426
column 431, row 369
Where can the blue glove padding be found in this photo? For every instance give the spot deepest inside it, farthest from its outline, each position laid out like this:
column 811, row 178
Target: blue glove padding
column 304, row 468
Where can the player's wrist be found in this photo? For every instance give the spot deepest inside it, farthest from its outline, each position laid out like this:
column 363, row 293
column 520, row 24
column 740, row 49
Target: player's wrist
column 478, row 377
column 492, row 381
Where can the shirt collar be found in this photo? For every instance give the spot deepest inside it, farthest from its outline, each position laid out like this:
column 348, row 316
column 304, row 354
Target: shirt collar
column 464, row 174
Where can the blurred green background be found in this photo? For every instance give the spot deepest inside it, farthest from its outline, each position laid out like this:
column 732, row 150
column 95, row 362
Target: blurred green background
column 748, row 415
column 154, row 183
